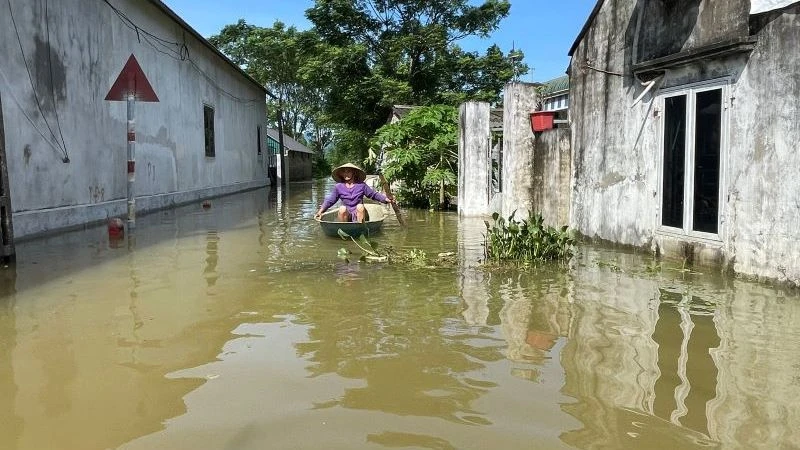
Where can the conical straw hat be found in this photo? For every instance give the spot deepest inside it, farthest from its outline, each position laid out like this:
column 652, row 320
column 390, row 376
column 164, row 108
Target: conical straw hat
column 358, row 174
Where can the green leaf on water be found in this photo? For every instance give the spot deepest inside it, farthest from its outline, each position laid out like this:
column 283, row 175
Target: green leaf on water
column 343, row 235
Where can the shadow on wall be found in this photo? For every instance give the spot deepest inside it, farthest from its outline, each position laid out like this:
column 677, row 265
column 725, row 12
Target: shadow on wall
column 661, row 27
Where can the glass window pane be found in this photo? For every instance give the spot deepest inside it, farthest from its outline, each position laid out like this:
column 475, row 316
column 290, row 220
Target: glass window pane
column 674, row 161
column 708, row 121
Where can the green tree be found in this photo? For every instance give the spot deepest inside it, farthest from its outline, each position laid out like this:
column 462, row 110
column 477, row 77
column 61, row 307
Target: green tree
column 277, row 57
column 386, row 52
column 421, row 151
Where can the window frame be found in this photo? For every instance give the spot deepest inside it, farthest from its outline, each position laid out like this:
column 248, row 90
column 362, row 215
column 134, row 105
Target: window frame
column 691, row 91
column 260, row 150
column 212, row 145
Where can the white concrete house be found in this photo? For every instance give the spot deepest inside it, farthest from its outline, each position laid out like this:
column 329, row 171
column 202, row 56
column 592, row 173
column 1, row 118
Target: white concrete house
column 685, row 122
column 65, row 146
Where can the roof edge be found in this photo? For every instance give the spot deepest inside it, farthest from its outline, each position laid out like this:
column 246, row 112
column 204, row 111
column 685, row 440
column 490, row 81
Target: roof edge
column 177, row 19
column 586, row 26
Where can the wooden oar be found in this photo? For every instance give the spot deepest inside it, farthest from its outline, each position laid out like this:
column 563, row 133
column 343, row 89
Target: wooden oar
column 388, row 191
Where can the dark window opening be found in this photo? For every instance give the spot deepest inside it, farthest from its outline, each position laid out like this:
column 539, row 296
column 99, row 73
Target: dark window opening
column 258, row 137
column 708, row 121
column 674, row 157
column 4, row 231
column 495, row 144
column 208, row 129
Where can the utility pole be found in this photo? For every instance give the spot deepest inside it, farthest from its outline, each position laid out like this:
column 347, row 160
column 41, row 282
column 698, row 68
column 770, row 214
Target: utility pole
column 282, row 159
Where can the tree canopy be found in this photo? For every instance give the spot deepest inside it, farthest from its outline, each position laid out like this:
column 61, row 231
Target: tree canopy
column 338, row 81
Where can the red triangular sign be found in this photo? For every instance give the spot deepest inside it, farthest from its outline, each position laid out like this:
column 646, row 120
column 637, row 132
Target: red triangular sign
column 132, row 81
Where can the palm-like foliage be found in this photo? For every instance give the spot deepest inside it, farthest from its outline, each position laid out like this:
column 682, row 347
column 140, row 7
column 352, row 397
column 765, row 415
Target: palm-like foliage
column 421, row 151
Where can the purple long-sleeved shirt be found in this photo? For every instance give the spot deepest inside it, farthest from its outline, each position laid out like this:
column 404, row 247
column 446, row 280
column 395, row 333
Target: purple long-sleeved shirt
column 351, row 197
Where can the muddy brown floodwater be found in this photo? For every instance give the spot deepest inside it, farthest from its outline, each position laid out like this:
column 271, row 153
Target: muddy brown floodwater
column 238, row 327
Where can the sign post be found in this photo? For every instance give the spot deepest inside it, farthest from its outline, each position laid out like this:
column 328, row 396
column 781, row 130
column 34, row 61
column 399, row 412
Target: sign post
column 131, row 85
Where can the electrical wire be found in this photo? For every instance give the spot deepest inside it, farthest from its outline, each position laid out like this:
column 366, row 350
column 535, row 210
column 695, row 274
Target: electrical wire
column 52, row 82
column 596, row 69
column 178, row 51
column 33, row 86
column 19, row 104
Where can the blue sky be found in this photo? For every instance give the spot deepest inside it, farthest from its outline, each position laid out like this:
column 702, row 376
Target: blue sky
column 543, row 29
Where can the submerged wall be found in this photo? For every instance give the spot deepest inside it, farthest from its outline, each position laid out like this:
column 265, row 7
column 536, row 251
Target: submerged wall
column 75, row 50
column 552, row 176
column 617, row 146
column 519, row 99
column 473, row 159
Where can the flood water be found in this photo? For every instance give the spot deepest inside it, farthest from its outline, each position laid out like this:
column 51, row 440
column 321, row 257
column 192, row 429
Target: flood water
column 239, row 327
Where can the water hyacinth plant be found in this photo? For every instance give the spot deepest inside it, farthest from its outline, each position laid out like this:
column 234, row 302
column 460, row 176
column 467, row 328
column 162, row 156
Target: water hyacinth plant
column 526, row 240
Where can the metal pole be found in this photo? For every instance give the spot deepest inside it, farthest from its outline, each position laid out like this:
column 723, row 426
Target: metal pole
column 281, row 159
column 131, row 163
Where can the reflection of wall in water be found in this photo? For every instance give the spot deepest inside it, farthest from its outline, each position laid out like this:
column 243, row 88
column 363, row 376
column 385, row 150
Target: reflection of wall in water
column 692, row 365
column 79, row 306
column 610, row 360
column 9, row 421
column 473, row 280
column 759, row 369
column 535, row 314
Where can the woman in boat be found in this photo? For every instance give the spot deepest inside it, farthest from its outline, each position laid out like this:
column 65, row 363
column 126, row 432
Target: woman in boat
column 351, row 190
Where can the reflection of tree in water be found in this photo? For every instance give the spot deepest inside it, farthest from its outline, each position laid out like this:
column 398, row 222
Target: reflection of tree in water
column 407, row 343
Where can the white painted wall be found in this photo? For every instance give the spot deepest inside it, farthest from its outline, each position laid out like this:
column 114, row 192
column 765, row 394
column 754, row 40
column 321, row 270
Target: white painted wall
column 85, row 45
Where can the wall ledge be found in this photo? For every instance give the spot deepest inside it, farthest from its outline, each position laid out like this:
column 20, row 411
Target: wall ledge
column 649, row 69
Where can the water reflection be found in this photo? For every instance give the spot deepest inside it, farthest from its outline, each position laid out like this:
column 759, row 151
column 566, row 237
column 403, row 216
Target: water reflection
column 654, row 362
column 237, row 326
column 210, row 270
column 10, row 422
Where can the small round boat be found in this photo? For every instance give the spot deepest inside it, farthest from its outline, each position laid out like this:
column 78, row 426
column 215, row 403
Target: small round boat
column 329, row 221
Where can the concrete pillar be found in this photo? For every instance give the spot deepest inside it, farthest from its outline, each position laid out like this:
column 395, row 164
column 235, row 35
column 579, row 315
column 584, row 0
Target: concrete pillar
column 519, row 100
column 473, row 159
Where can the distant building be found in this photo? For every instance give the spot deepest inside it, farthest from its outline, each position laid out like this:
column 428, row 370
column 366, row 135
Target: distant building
column 299, row 158
column 65, row 146
column 555, row 97
column 398, row 112
column 555, row 94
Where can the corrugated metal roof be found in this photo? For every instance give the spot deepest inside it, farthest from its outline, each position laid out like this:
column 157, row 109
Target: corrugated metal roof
column 288, row 142
column 556, row 86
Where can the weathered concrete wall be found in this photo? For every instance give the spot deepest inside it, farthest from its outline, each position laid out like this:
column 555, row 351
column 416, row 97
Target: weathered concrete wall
column 691, row 24
column 614, row 174
column 552, row 176
column 763, row 207
column 519, row 99
column 75, row 53
column 473, row 159
column 616, row 146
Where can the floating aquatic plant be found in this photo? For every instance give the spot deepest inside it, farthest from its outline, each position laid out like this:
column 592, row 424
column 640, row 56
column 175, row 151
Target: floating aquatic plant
column 526, row 240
